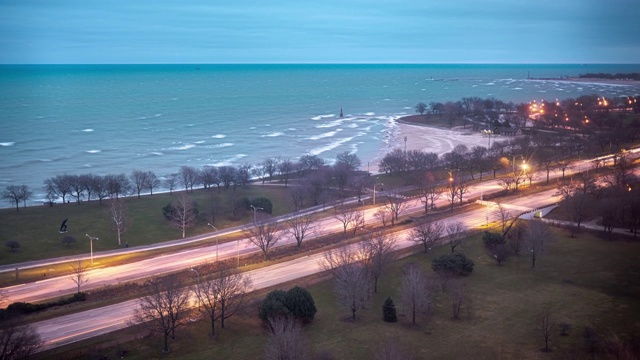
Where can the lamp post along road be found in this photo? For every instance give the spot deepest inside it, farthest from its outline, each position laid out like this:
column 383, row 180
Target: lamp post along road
column 254, row 212
column 91, row 238
column 214, row 228
column 198, row 274
column 374, row 191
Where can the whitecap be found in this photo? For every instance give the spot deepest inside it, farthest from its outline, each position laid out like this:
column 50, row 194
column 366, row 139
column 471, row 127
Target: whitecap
column 158, row 115
column 369, row 114
column 10, row 143
column 407, row 108
column 329, row 147
column 184, row 147
column 517, row 88
column 230, row 161
column 322, row 136
column 218, row 146
column 489, row 83
column 320, row 117
column 352, row 126
column 330, row 124
column 199, row 142
column 292, row 129
column 93, row 151
column 191, row 125
column 219, row 136
column 252, row 128
column 273, row 134
column 87, row 130
column 158, row 153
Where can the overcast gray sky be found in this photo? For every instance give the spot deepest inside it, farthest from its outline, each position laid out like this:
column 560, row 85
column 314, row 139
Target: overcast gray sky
column 320, row 31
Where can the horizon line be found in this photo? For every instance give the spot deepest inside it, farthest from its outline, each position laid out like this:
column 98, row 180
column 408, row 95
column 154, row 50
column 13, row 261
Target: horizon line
column 333, row 63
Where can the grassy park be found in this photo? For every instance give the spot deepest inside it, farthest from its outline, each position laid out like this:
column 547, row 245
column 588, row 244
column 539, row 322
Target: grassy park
column 36, row 227
column 587, row 281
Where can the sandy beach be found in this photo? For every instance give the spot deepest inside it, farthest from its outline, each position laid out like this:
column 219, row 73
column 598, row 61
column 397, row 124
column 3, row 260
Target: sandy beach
column 431, row 139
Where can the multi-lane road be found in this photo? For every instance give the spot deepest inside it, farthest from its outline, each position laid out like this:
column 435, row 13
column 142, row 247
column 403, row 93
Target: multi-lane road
column 86, row 324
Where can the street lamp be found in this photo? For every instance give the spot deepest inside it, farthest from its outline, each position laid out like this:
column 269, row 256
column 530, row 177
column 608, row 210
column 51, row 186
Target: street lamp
column 254, row 212
column 374, row 191
column 198, row 274
column 214, row 228
column 91, row 238
column 405, row 148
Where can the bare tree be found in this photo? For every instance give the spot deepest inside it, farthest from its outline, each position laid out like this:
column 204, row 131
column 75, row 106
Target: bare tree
column 285, row 168
column 19, row 342
column 79, row 274
column 429, row 190
column 170, row 182
column 265, row 234
column 427, row 233
column 382, row 216
column 183, row 213
column 152, row 181
column 415, row 292
column 298, row 195
column 350, row 276
column 300, row 226
column 395, row 204
column 139, row 179
column 347, row 215
column 546, row 325
column 503, row 215
column 188, row 177
column 577, row 207
column 459, row 298
column 286, row 340
column 537, row 233
column 463, row 188
column 223, row 296
column 13, row 194
column 380, row 246
column 118, row 214
column 270, row 166
column 165, row 309
column 455, row 234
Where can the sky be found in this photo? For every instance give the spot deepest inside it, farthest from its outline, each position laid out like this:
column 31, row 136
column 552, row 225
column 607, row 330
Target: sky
column 319, row 31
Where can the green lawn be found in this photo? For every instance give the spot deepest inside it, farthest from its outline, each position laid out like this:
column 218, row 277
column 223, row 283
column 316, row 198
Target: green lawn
column 36, row 228
column 587, row 280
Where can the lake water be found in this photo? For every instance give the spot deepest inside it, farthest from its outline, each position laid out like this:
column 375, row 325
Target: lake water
column 75, row 119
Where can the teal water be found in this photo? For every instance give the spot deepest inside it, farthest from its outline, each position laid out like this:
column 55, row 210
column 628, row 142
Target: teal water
column 103, row 119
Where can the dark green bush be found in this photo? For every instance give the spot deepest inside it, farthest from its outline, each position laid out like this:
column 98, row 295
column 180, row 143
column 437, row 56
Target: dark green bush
column 452, row 264
column 262, row 202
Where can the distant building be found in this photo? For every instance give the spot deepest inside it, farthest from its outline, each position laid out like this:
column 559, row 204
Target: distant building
column 507, row 131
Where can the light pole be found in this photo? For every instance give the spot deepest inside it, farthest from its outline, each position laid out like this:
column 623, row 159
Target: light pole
column 254, row 212
column 214, row 228
column 91, row 238
column 238, row 254
column 374, row 191
column 405, row 148
column 451, row 193
column 198, row 274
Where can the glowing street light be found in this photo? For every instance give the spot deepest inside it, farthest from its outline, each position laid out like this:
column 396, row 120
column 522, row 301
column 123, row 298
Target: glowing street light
column 214, row 228
column 91, row 238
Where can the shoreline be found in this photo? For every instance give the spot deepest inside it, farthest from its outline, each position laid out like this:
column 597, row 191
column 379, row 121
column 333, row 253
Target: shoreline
column 434, row 139
column 599, row 81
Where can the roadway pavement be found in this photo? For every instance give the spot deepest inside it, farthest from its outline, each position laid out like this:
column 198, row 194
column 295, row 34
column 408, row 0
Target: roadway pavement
column 75, row 327
column 79, row 326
